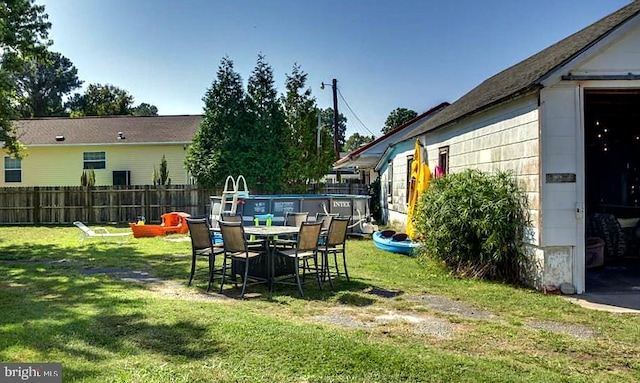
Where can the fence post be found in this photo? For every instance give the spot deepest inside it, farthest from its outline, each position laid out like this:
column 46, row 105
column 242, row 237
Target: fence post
column 36, row 206
column 146, row 204
column 88, row 204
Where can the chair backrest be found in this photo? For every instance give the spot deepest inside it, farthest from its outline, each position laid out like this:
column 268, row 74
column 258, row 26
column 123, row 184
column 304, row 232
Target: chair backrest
column 231, row 218
column 85, row 228
column 338, row 231
column 200, row 233
column 309, row 235
column 233, row 238
column 294, row 218
column 325, row 219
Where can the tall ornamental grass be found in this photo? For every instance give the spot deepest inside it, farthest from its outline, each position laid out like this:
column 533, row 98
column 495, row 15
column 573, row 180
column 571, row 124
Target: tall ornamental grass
column 474, row 222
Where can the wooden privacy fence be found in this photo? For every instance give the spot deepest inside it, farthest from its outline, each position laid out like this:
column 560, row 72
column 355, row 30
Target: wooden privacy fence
column 111, row 204
column 100, row 204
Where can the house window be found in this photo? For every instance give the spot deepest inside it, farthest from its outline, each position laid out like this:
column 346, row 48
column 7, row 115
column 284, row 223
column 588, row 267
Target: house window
column 390, row 179
column 409, row 163
column 443, row 159
column 94, row 160
column 12, row 169
column 121, row 178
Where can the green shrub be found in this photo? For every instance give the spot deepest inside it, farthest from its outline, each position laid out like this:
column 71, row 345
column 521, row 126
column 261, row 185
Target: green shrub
column 88, row 178
column 161, row 177
column 374, row 201
column 474, row 222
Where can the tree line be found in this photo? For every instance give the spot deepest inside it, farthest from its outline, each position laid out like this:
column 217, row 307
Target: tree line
column 38, row 83
column 275, row 141
column 271, row 139
column 44, row 84
column 268, row 138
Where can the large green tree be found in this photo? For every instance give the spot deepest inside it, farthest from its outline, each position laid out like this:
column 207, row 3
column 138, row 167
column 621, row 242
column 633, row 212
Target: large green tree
column 23, row 34
column 42, row 83
column 265, row 131
column 145, row 109
column 326, row 116
column 305, row 161
column 398, row 117
column 356, row 140
column 218, row 148
column 101, row 100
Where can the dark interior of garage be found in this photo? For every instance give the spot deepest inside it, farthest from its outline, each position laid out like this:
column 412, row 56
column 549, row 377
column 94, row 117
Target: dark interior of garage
column 612, row 187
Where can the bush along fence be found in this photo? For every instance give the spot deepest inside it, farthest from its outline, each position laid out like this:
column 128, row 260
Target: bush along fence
column 109, row 204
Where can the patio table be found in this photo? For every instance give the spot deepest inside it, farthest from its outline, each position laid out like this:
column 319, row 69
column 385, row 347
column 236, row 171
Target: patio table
column 273, row 267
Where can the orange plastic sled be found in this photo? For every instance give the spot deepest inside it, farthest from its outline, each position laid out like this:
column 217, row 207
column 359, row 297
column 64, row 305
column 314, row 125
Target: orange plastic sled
column 172, row 223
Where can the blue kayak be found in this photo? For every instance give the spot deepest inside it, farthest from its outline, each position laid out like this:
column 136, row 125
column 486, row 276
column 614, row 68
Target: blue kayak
column 395, row 243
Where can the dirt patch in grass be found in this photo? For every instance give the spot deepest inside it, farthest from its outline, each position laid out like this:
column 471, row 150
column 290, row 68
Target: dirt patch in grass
column 449, row 306
column 362, row 314
column 578, row 332
column 389, row 319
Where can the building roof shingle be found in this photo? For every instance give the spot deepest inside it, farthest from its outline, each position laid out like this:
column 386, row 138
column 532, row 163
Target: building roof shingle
column 527, row 75
column 105, row 130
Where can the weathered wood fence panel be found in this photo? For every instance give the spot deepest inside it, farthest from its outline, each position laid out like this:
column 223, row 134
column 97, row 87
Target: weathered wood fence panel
column 102, row 204
column 116, row 204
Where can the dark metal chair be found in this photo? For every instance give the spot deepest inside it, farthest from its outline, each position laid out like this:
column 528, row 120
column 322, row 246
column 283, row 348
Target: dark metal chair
column 334, row 243
column 295, row 218
column 253, row 243
column 231, row 218
column 306, row 249
column 325, row 218
column 202, row 245
column 291, row 219
column 236, row 249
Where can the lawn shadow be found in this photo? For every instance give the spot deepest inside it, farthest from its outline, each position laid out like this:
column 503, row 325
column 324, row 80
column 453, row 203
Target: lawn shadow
column 182, row 339
column 61, row 299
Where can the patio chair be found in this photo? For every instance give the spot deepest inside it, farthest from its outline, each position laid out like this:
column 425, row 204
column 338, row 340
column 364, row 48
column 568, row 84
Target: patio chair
column 325, row 218
column 99, row 232
column 306, row 249
column 236, row 249
column 291, row 219
column 253, row 242
column 334, row 243
column 202, row 245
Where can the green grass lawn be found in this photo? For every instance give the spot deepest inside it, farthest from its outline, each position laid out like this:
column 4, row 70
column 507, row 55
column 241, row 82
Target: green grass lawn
column 105, row 329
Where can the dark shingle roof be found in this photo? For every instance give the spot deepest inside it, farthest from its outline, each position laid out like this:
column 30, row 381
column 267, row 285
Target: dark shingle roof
column 526, row 75
column 104, row 130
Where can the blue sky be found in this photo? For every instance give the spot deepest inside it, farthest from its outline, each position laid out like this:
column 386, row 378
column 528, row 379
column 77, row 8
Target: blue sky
column 384, row 54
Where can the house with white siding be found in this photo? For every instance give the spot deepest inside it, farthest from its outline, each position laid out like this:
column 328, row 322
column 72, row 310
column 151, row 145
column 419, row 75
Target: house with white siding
column 121, row 150
column 365, row 158
column 566, row 121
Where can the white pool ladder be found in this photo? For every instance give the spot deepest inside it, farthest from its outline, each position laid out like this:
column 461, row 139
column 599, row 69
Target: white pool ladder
column 227, row 204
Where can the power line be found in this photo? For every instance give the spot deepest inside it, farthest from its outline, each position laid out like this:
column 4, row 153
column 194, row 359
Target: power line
column 354, row 113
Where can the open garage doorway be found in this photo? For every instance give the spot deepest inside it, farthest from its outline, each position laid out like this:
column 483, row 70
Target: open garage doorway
column 612, row 190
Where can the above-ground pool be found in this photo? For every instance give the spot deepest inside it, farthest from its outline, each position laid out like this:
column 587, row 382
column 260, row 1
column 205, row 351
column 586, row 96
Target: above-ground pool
column 248, row 206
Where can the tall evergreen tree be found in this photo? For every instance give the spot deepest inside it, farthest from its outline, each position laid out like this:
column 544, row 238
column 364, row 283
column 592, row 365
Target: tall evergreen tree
column 219, row 147
column 23, row 33
column 42, row 83
column 265, row 134
column 305, row 162
column 327, row 121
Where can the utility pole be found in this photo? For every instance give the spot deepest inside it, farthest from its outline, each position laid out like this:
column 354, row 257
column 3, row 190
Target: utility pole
column 336, row 144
